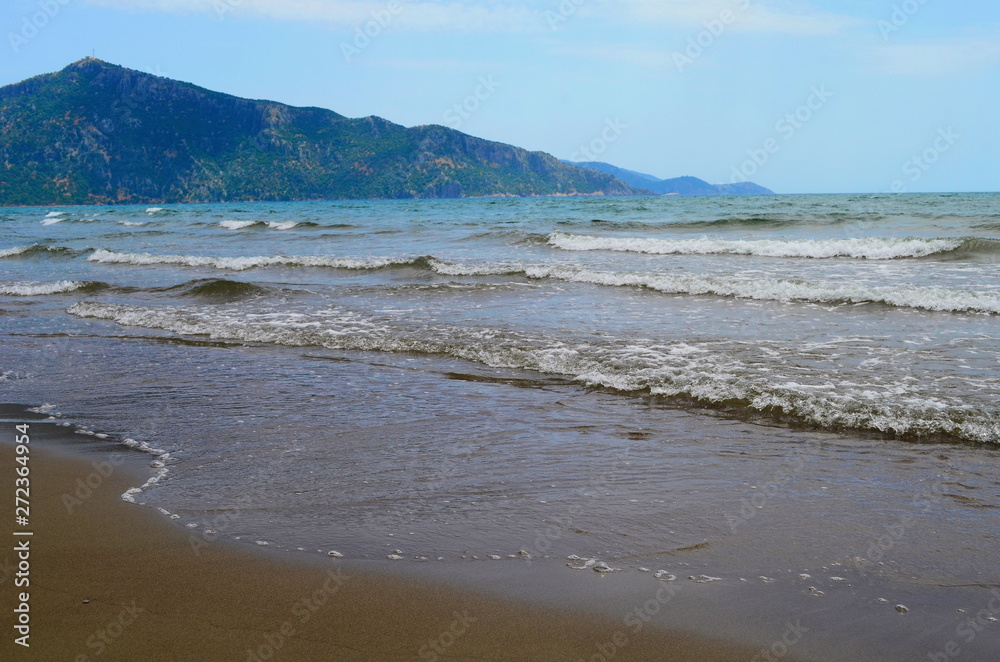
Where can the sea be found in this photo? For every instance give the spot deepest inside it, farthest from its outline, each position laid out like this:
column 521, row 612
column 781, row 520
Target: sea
column 745, row 395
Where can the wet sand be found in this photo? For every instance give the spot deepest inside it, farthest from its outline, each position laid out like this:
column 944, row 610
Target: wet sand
column 116, row 581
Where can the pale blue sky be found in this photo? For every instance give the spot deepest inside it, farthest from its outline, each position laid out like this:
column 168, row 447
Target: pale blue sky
column 887, row 81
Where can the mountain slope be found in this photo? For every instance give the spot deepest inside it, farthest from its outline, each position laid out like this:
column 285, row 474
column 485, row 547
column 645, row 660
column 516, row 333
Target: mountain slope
column 97, row 133
column 675, row 186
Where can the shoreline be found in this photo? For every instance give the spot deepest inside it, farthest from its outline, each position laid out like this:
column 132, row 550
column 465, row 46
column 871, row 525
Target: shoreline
column 112, row 580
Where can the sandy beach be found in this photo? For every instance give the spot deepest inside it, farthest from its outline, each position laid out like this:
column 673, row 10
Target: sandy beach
column 115, row 581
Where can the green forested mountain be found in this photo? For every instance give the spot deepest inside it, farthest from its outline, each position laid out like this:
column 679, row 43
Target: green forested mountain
column 98, row 133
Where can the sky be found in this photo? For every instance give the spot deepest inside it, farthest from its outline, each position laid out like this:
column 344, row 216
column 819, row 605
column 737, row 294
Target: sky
column 800, row 96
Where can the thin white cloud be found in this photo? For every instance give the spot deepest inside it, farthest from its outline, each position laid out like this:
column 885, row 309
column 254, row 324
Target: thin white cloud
column 775, row 16
column 943, row 57
column 460, row 15
column 797, row 18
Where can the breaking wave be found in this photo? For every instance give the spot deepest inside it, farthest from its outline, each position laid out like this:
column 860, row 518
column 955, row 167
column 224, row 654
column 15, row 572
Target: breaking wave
column 940, row 299
column 867, row 248
column 726, row 375
column 34, row 249
column 274, row 225
column 243, row 263
column 30, row 289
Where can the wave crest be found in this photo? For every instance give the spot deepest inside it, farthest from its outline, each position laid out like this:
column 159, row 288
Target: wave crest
column 34, row 249
column 243, row 225
column 30, row 289
column 866, row 248
column 243, row 263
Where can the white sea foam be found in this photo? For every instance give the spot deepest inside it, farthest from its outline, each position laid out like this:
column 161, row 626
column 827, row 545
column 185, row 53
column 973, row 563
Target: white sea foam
column 153, row 210
column 770, row 289
column 56, row 214
column 763, row 289
column 162, row 457
column 30, row 289
column 243, row 225
column 242, row 263
column 868, row 248
column 733, row 373
column 457, row 269
column 159, row 464
column 53, row 220
column 132, row 224
column 237, row 225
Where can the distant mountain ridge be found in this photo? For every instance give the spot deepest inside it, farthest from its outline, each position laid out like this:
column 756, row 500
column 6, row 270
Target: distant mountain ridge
column 98, row 133
column 675, row 186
